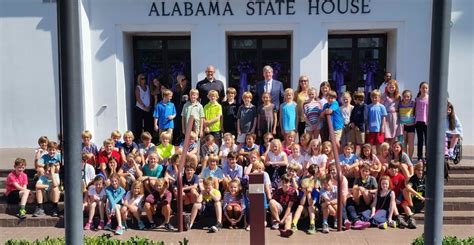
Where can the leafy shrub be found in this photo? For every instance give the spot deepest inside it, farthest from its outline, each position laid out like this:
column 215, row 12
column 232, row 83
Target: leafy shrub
column 447, row 240
column 96, row 240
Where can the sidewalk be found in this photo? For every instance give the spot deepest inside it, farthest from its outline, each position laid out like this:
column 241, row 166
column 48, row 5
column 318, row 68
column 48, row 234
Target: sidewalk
column 226, row 236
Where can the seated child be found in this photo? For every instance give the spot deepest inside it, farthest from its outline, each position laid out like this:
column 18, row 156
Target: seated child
column 128, row 145
column 297, row 157
column 190, row 184
column 265, row 146
column 172, row 170
column 52, row 158
column 146, row 147
column 292, row 171
column 232, row 171
column 328, row 203
column 114, row 194
column 247, row 148
column 212, row 171
column 107, row 153
column 193, row 148
column 208, row 202
column 207, row 149
column 234, row 203
column 159, row 201
column 42, row 149
column 314, row 157
column 89, row 147
column 413, row 194
column 16, row 187
column 88, row 171
column 96, row 199
column 228, row 146
column 397, row 184
column 379, row 213
column 281, row 206
column 364, row 188
column 384, row 156
column 276, row 162
column 368, row 157
column 132, row 203
column 349, row 161
column 129, row 172
column 47, row 188
column 165, row 149
column 151, row 172
column 309, row 197
column 116, row 136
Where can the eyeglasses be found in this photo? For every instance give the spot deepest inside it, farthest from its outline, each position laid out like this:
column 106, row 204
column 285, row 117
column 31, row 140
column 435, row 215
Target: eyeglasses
column 209, row 71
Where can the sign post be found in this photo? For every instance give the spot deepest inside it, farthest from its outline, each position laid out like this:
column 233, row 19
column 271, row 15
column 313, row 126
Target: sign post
column 257, row 210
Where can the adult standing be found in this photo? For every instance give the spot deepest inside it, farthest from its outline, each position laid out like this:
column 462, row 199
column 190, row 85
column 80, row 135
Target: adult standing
column 301, row 96
column 143, row 112
column 271, row 86
column 386, row 78
column 180, row 97
column 210, row 83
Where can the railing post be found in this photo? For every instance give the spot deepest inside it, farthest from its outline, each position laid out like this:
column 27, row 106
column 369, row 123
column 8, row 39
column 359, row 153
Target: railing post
column 335, row 151
column 257, row 212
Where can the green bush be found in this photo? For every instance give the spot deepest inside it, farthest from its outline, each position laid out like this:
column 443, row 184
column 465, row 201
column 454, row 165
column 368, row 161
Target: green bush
column 104, row 239
column 447, row 240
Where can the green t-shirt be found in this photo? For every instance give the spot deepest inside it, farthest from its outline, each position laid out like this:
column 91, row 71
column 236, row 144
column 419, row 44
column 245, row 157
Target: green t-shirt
column 211, row 111
column 165, row 151
column 196, row 110
column 156, row 172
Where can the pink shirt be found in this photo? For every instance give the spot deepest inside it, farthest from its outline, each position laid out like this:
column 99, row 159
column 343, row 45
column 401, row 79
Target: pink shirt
column 12, row 178
column 421, row 109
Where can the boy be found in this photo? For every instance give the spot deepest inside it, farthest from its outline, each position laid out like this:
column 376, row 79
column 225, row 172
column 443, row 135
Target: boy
column 364, row 189
column 413, row 194
column 357, row 121
column 88, row 147
column 212, row 171
column 159, row 202
column 193, row 147
column 246, row 118
column 47, row 188
column 230, row 108
column 213, row 116
column 309, row 197
column 42, row 150
column 349, row 161
column 332, row 108
column 329, row 202
column 128, row 145
column 281, row 206
column 116, row 136
column 190, row 183
column 207, row 149
column 164, row 113
column 397, row 184
column 53, row 157
column 376, row 114
column 107, row 152
column 208, row 202
column 146, row 147
column 165, row 150
column 195, row 109
column 232, row 170
column 247, row 148
column 16, row 187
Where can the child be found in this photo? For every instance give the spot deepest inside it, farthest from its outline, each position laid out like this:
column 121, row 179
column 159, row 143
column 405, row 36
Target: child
column 107, row 153
column 88, row 171
column 164, row 114
column 171, row 170
column 129, row 172
column 297, row 157
column 265, row 146
column 380, row 212
column 146, row 147
column 349, row 161
column 407, row 121
column 421, row 118
column 228, row 146
column 128, row 146
column 230, row 108
column 207, row 149
column 89, row 147
column 276, row 162
column 312, row 110
column 368, row 157
column 116, row 136
column 96, row 199
column 397, row 154
column 195, row 109
column 165, row 149
column 453, row 130
column 16, row 187
column 288, row 118
column 114, row 193
column 304, row 143
column 159, row 201
column 110, row 168
column 397, row 184
column 314, row 157
column 309, row 197
column 190, row 184
column 281, row 206
column 247, row 148
column 132, row 203
column 233, row 203
column 47, row 188
column 326, row 149
column 346, row 110
column 193, row 148
column 232, row 171
column 384, row 156
column 246, row 118
column 292, row 171
column 52, row 158
column 213, row 116
column 208, row 202
column 357, row 121
column 376, row 114
column 328, row 202
column 267, row 116
column 253, row 158
column 414, row 195
column 42, row 149
column 213, row 171
column 332, row 108
column 391, row 99
column 324, row 89
column 364, row 188
column 151, row 171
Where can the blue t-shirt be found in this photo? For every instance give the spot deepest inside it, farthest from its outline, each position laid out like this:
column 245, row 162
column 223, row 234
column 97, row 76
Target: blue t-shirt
column 347, row 160
column 162, row 112
column 336, row 116
column 375, row 114
column 288, row 115
column 51, row 160
column 157, row 172
column 216, row 173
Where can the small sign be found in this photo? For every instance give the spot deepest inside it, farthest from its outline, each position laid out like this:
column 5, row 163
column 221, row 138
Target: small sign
column 256, row 189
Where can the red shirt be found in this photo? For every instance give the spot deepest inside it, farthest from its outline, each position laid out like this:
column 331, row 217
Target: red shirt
column 104, row 158
column 12, row 178
column 397, row 183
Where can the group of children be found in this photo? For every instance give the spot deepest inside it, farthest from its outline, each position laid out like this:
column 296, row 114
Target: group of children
column 123, row 180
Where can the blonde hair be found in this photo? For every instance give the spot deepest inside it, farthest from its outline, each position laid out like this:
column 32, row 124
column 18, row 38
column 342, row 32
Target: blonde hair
column 257, row 164
column 213, row 92
column 162, row 181
column 86, row 133
column 317, row 142
column 115, row 133
column 247, row 94
column 193, row 135
column 289, row 91
column 209, row 181
column 145, row 136
column 193, row 91
column 294, row 167
column 109, row 141
column 136, row 184
column 128, row 134
column 374, row 93
column 231, row 90
column 165, row 135
column 213, row 158
column 384, row 146
column 230, row 136
column 277, row 143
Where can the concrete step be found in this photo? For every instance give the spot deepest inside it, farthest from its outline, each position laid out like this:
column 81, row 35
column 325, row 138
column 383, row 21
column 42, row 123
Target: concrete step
column 451, row 218
column 30, row 207
column 458, row 204
column 7, row 220
column 460, row 179
column 461, row 169
column 459, row 191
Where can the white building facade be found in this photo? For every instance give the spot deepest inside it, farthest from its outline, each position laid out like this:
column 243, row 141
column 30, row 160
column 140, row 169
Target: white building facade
column 121, row 38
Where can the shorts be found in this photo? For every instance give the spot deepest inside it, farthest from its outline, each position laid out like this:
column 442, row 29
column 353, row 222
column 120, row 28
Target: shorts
column 375, row 138
column 208, row 209
column 399, row 200
column 14, row 197
column 356, row 136
column 409, row 128
column 338, row 134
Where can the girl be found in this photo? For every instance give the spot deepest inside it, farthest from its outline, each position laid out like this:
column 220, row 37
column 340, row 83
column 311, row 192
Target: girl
column 421, row 118
column 96, row 198
column 296, row 157
column 380, row 212
column 129, row 172
column 304, row 143
column 453, row 129
column 266, row 116
column 114, row 194
column 253, row 158
column 407, row 120
column 151, row 172
column 346, row 110
column 110, row 169
column 391, row 99
column 311, row 112
column 172, row 169
column 326, row 149
column 128, row 146
column 266, row 145
column 234, row 204
column 384, row 156
column 276, row 162
column 301, row 96
column 132, row 203
column 368, row 157
column 228, row 146
column 289, row 142
column 314, row 157
column 324, row 88
column 397, row 154
column 287, row 113
column 159, row 201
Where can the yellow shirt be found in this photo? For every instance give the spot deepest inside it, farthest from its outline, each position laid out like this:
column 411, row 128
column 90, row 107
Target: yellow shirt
column 208, row 197
column 212, row 111
column 300, row 99
column 165, row 151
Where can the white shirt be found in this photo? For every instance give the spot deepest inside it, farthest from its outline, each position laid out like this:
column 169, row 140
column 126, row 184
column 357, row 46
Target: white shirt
column 268, row 86
column 92, row 192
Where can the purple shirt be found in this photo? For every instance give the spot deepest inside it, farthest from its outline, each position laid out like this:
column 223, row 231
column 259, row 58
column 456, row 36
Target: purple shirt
column 421, row 109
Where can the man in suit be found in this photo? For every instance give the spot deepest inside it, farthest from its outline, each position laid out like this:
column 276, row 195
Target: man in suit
column 274, row 87
column 210, row 83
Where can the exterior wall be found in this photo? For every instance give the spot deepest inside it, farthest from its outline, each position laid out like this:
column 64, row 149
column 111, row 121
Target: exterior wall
column 107, row 28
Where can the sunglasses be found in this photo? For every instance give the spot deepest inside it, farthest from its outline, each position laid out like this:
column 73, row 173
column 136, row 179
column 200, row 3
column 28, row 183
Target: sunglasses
column 142, row 78
column 303, row 80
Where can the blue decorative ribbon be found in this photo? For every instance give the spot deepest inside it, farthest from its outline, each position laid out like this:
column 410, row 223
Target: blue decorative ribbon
column 339, row 67
column 150, row 72
column 369, row 68
column 244, row 68
column 276, row 69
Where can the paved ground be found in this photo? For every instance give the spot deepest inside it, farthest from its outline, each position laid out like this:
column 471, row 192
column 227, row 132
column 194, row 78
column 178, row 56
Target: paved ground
column 369, row 236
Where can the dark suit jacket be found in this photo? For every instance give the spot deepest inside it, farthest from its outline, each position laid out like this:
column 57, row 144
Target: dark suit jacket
column 277, row 92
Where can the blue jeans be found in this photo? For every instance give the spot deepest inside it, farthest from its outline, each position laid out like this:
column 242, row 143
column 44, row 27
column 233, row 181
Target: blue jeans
column 380, row 216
